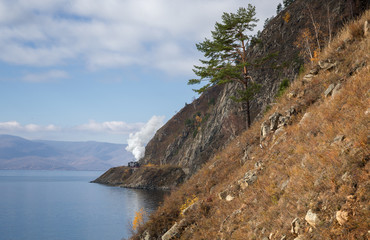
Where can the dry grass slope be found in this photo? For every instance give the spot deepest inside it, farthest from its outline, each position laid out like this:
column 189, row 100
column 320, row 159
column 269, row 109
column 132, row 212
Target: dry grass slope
column 319, row 164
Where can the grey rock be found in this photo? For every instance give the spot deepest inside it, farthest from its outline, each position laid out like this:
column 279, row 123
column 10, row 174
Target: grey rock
column 367, row 112
column 339, row 138
column 308, row 78
column 312, row 218
column 305, row 118
column 229, row 198
column 274, row 121
column 243, row 184
column 336, row 89
column 291, row 95
column 222, row 195
column 329, row 90
column 258, row 165
column 346, row 177
column 292, row 111
column 283, row 121
column 296, row 226
column 315, row 70
column 186, row 170
column 145, row 235
column 327, row 64
column 247, row 153
column 174, row 230
column 250, row 177
column 265, row 129
column 278, row 135
column 342, row 217
column 284, row 185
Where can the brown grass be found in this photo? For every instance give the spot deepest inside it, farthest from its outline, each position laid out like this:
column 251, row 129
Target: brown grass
column 307, row 170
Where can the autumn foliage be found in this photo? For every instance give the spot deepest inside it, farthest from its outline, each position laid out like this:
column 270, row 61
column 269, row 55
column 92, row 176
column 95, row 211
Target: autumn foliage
column 138, row 219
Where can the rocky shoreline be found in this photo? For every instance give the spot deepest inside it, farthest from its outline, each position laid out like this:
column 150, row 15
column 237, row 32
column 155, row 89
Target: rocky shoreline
column 145, row 177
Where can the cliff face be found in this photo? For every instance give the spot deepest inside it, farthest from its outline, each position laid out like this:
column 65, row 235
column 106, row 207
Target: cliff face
column 202, row 128
column 192, row 135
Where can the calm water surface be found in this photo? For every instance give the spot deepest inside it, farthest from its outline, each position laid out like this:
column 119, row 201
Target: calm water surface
column 63, row 205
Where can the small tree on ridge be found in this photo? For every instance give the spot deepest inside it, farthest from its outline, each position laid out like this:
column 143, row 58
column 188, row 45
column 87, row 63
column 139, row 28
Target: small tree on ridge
column 227, row 55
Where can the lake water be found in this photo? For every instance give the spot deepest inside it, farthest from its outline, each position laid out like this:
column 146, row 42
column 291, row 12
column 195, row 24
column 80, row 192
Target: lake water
column 63, row 205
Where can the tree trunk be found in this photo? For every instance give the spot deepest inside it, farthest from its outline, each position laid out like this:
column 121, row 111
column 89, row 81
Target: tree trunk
column 247, row 100
column 248, row 115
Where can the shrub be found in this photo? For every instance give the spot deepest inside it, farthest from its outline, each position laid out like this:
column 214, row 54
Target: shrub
column 189, row 122
column 187, row 203
column 138, row 219
column 286, row 17
column 283, row 86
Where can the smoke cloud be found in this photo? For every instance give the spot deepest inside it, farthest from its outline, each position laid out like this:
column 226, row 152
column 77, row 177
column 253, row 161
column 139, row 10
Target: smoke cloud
column 138, row 140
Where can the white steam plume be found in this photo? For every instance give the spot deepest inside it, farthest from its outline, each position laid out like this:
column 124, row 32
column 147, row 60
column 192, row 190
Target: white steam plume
column 137, row 141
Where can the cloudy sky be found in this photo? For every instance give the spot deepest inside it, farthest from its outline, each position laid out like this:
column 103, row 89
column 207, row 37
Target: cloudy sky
column 98, row 70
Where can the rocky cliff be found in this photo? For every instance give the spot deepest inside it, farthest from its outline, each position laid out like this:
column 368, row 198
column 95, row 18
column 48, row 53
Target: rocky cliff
column 202, row 128
column 300, row 172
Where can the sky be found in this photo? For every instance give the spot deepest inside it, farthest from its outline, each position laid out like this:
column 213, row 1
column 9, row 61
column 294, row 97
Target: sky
column 102, row 70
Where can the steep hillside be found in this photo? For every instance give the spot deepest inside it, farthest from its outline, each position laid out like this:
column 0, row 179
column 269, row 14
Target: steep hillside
column 300, row 172
column 20, row 153
column 196, row 132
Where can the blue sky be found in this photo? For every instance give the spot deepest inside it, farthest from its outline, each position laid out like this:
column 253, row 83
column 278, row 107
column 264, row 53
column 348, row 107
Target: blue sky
column 99, row 70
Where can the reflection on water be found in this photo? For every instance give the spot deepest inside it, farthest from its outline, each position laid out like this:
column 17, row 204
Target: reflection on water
column 64, row 205
column 148, row 199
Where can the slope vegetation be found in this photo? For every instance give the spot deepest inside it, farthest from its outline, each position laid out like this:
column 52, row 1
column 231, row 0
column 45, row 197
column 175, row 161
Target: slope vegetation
column 300, row 172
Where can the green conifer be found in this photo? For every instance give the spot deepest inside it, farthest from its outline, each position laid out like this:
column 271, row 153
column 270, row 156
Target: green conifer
column 279, row 8
column 226, row 55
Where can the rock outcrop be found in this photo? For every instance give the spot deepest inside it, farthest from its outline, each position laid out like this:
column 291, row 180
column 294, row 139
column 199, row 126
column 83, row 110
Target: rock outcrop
column 152, row 177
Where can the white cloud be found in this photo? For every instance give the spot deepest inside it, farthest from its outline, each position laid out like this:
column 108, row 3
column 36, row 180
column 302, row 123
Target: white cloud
column 15, row 127
column 10, row 126
column 138, row 140
column 114, row 127
column 51, row 75
column 109, row 131
column 112, row 33
column 51, row 127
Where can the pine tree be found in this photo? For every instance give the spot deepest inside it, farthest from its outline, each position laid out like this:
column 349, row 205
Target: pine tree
column 279, row 8
column 226, row 55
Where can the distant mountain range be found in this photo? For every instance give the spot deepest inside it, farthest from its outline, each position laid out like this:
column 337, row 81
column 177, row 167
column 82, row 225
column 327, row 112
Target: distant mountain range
column 20, row 153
